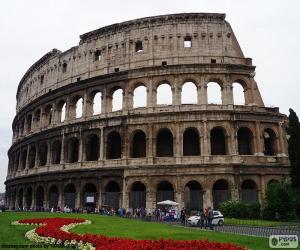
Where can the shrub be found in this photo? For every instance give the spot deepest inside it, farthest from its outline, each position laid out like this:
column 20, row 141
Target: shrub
column 240, row 210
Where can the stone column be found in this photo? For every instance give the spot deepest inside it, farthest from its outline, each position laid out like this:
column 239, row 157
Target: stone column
column 206, row 140
column 80, row 151
column 207, row 198
column 262, row 189
column 27, row 158
column 60, row 196
column 150, row 142
column 62, row 152
column 259, row 149
column 177, row 143
column 78, row 197
column 282, row 151
column 101, row 148
column 48, row 162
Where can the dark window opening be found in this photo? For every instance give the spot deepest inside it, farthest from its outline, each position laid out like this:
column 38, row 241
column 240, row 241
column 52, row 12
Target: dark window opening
column 70, row 196
column 217, row 142
column 89, row 197
column 92, row 148
column 244, row 137
column 139, row 145
column 64, row 69
column 43, row 151
column 220, row 192
column 269, row 142
column 53, row 197
column 32, row 155
column 117, row 69
column 97, row 55
column 164, row 143
column 165, row 191
column 191, row 142
column 39, row 198
column 213, row 61
column 193, row 196
column 73, row 150
column 56, row 151
column 24, row 159
column 114, row 145
column 249, row 191
column 139, row 46
column 137, row 195
column 42, row 79
column 28, row 198
column 78, row 79
column 164, row 63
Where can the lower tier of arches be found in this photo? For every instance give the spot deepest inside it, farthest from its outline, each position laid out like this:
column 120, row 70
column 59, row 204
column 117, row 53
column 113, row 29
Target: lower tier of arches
column 193, row 188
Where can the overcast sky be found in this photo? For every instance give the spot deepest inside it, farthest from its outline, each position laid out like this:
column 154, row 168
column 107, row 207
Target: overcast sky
column 268, row 32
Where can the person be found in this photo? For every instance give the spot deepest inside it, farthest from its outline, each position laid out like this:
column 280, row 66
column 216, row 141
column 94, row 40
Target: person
column 206, row 217
column 210, row 218
column 201, row 219
column 182, row 216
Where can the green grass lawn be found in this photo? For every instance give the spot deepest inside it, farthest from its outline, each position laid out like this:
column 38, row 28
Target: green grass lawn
column 261, row 223
column 119, row 227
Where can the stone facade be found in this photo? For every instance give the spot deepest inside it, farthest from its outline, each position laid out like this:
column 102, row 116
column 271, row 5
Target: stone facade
column 198, row 154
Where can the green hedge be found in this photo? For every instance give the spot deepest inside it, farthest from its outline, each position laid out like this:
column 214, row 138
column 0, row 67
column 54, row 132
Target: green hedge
column 240, row 210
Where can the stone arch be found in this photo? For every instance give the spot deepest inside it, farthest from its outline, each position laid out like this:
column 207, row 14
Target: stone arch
column 28, row 197
column 140, row 96
column 117, row 98
column 218, row 142
column 114, row 145
column 238, row 92
column 72, row 151
column 138, row 145
column 20, row 198
column 249, row 192
column 17, row 159
column 32, row 157
column 220, row 192
column 76, row 107
column 92, row 147
column 214, row 91
column 70, row 195
column 43, row 154
column 96, row 97
column 56, row 152
column 89, row 193
column 193, row 196
column 164, row 143
column 189, row 93
column 269, row 138
column 37, row 118
column 24, row 159
column 29, row 122
column 245, row 141
column 191, row 142
column 61, row 109
column 137, row 195
column 112, row 194
column 164, row 95
column 164, row 191
column 39, row 198
column 53, row 197
column 48, row 114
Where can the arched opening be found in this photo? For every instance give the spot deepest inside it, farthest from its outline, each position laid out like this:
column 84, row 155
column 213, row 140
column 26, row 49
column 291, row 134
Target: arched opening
column 189, row 93
column 112, row 194
column 39, row 198
column 79, row 108
column 165, row 191
column 214, row 93
column 43, row 152
column 191, row 144
column 48, row 115
column 138, row 144
column 70, row 196
column 72, row 150
column 249, row 191
column 92, row 148
column 217, row 141
column 139, row 46
column 269, row 142
column 28, row 198
column 37, row 118
column 56, row 152
column 53, row 197
column 24, row 159
column 164, row 94
column 16, row 163
column 244, row 137
column 20, row 199
column 238, row 94
column 220, row 192
column 140, row 97
column 164, row 143
column 29, row 122
column 22, row 127
column 97, row 103
column 114, row 145
column 32, row 156
column 193, row 196
column 137, row 195
column 89, row 197
column 62, row 111
column 117, row 100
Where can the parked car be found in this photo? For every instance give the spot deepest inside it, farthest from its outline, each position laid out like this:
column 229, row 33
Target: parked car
column 217, row 220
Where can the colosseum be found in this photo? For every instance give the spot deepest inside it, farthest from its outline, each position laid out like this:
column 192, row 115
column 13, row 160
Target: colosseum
column 110, row 123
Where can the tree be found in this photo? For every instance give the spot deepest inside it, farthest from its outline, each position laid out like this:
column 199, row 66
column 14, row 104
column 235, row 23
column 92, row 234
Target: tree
column 294, row 148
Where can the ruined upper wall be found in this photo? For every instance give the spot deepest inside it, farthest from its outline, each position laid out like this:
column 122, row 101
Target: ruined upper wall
column 162, row 39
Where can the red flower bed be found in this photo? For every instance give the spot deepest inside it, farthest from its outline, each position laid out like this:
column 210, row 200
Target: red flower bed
column 51, row 228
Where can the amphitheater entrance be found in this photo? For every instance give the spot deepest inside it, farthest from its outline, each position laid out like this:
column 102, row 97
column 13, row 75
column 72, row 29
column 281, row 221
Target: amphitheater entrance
column 112, row 195
column 220, row 192
column 165, row 191
column 137, row 195
column 39, row 198
column 28, row 198
column 53, row 197
column 193, row 198
column 70, row 195
column 89, row 197
column 20, row 199
column 249, row 191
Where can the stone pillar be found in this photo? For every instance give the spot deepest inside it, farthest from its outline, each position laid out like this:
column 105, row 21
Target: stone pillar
column 177, row 144
column 176, row 94
column 48, row 161
column 282, row 151
column 60, row 196
column 27, row 158
column 99, row 198
column 78, row 197
column 129, row 100
column 206, row 140
column 259, row 149
column 33, row 203
column 207, row 198
column 103, row 101
column 80, row 151
column 46, row 198
column 262, row 189
column 149, row 145
column 101, row 148
column 84, row 105
column 62, row 152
